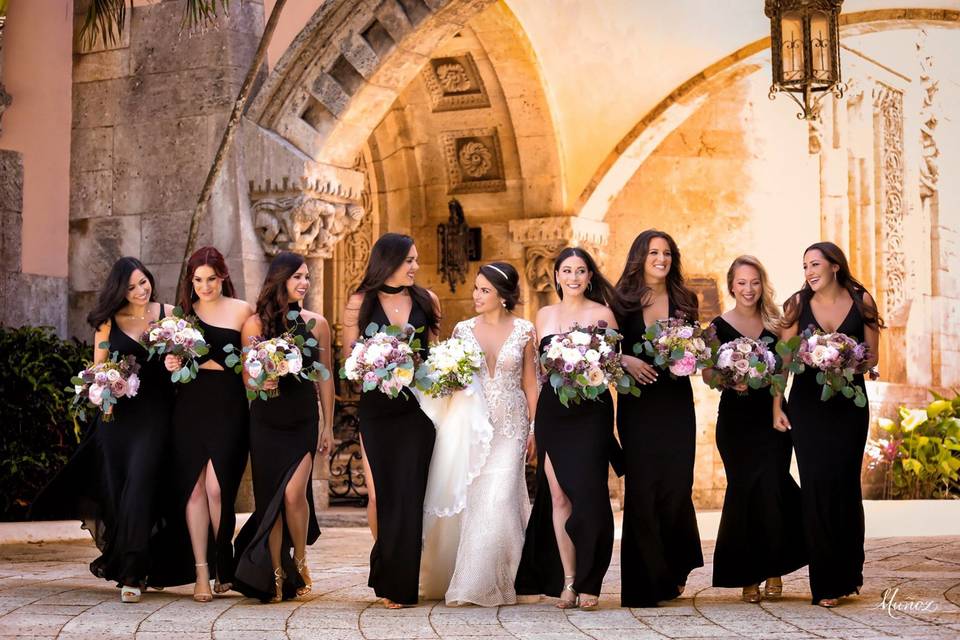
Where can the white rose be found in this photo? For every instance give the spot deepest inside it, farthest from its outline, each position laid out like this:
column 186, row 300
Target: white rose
column 350, row 368
column 295, row 364
column 605, row 348
column 725, row 361
column 572, row 356
column 744, row 347
column 113, row 375
column 555, row 351
column 580, row 338
column 270, row 347
column 592, row 355
column 254, row 368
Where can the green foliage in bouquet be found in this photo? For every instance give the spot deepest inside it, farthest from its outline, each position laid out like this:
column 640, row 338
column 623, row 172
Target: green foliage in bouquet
column 919, row 454
column 38, row 432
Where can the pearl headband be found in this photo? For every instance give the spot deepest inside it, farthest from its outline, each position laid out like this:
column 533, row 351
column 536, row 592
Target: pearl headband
column 490, row 266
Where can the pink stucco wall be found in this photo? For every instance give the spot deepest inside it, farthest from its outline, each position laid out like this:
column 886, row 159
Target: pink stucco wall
column 37, row 70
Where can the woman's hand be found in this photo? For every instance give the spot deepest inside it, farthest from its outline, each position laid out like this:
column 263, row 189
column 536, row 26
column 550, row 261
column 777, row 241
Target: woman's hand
column 780, row 420
column 642, row 372
column 531, row 448
column 325, row 442
column 271, row 383
column 740, row 387
column 173, row 363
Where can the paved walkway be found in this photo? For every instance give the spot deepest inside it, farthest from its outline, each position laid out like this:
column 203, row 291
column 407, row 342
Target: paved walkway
column 46, row 591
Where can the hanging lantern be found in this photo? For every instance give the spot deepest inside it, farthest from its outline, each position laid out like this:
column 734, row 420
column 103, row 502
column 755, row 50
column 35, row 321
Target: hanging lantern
column 457, row 245
column 805, row 50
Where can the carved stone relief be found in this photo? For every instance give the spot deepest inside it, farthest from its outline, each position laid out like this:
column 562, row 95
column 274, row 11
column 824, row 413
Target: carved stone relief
column 543, row 238
column 929, row 118
column 454, row 83
column 888, row 110
column 474, row 161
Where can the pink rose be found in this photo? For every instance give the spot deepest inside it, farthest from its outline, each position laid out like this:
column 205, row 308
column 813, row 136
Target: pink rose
column 118, row 388
column 133, row 385
column 685, row 366
column 95, row 394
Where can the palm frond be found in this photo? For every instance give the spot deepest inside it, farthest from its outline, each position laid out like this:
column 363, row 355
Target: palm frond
column 105, row 19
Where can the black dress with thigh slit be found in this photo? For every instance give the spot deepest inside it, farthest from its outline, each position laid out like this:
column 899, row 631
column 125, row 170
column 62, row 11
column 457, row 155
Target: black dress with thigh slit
column 111, row 483
column 760, row 533
column 658, row 433
column 210, row 425
column 283, row 430
column 829, row 438
column 578, row 440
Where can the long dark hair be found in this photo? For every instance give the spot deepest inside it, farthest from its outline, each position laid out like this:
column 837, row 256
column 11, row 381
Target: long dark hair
column 386, row 256
column 600, row 290
column 273, row 301
column 113, row 293
column 505, row 280
column 633, row 293
column 203, row 257
column 834, row 255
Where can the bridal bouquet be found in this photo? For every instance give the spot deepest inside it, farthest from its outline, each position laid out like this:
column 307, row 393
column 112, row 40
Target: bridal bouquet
column 836, row 356
column 177, row 336
column 272, row 359
column 582, row 363
column 385, row 360
column 100, row 385
column 746, row 361
column 681, row 347
column 450, row 367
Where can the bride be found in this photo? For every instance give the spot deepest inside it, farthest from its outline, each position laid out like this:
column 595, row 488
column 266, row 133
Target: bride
column 476, row 506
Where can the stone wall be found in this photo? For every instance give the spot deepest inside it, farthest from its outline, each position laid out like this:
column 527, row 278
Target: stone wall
column 148, row 114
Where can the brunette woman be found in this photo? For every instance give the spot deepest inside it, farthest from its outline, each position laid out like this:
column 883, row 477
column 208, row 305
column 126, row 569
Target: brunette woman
column 210, row 433
column 111, row 482
column 760, row 537
column 829, row 436
column 569, row 539
column 396, row 435
column 285, row 434
column 661, row 543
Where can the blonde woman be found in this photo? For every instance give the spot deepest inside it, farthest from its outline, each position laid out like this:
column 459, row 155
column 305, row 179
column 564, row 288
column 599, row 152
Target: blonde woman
column 760, row 537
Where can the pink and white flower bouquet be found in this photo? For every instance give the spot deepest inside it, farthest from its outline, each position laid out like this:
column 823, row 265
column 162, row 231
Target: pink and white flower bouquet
column 582, row 363
column 745, row 361
column 837, row 358
column 681, row 347
column 450, row 367
column 178, row 336
column 386, row 360
column 99, row 386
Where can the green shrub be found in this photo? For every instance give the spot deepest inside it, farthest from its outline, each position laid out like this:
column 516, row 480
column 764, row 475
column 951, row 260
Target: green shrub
column 37, row 431
column 919, row 455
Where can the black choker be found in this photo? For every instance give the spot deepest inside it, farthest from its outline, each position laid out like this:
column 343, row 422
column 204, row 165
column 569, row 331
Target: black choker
column 388, row 289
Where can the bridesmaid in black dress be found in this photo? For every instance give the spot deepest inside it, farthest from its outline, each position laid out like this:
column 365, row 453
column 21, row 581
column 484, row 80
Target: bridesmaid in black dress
column 110, row 483
column 829, row 437
column 569, row 539
column 210, row 436
column 284, row 437
column 396, row 435
column 661, row 543
column 760, row 535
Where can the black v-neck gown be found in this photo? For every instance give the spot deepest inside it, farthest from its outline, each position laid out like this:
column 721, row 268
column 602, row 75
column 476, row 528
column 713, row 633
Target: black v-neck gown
column 579, row 441
column 283, row 430
column 658, row 433
column 210, row 424
column 398, row 440
column 112, row 481
column 829, row 438
column 760, row 534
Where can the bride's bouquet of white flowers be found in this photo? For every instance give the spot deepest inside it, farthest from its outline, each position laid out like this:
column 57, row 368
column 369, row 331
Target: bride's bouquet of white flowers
column 450, row 367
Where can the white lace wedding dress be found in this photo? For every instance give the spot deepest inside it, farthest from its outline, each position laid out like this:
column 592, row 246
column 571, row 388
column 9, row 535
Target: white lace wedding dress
column 476, row 507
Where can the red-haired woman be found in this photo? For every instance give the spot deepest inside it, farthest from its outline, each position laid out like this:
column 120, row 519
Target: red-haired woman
column 285, row 434
column 210, row 420
column 829, row 436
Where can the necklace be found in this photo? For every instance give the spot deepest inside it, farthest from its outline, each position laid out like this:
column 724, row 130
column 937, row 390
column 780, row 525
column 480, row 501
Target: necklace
column 386, row 288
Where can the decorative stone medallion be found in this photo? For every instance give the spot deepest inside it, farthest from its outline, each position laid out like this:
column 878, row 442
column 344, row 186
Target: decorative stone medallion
column 474, row 161
column 454, row 83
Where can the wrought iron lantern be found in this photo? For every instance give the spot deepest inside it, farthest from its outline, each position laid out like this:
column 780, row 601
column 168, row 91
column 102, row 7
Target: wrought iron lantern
column 457, row 245
column 805, row 47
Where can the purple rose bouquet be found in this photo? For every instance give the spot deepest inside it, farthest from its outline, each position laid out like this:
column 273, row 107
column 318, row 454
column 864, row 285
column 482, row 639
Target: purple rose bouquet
column 99, row 386
column 745, row 361
column 837, row 358
column 386, row 360
column 681, row 347
column 178, row 336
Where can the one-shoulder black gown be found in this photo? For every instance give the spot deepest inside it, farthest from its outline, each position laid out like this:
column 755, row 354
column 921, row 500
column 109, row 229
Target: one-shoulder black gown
column 398, row 440
column 210, row 424
column 829, row 438
column 579, row 442
column 760, row 532
column 111, row 483
column 283, row 430
column 658, row 433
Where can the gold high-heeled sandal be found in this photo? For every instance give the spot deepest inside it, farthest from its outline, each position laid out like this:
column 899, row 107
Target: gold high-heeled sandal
column 588, row 604
column 773, row 588
column 304, row 572
column 751, row 594
column 568, row 586
column 201, row 597
column 277, row 585
column 828, row 603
